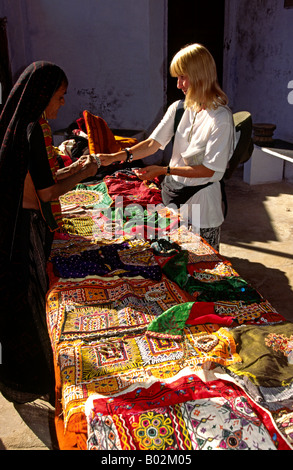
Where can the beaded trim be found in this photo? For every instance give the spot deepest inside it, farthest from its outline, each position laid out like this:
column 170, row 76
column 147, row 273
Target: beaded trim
column 154, row 295
column 206, row 342
column 156, row 334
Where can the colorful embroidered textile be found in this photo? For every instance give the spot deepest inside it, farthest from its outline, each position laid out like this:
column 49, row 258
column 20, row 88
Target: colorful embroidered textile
column 256, row 313
column 129, row 350
column 51, row 210
column 82, row 226
column 94, row 196
column 186, row 414
column 101, row 339
column 132, row 189
column 114, row 223
column 114, row 259
column 145, row 297
column 285, row 424
column 197, row 248
column 95, row 309
column 132, row 221
column 230, row 288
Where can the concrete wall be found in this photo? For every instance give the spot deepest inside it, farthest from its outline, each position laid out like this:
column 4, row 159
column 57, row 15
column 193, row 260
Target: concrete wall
column 258, row 61
column 113, row 52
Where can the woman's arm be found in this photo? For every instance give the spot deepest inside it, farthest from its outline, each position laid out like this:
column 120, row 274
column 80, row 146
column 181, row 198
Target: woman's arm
column 152, row 171
column 141, row 150
column 87, row 169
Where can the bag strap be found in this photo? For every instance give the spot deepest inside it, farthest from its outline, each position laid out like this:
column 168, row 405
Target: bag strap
column 178, row 114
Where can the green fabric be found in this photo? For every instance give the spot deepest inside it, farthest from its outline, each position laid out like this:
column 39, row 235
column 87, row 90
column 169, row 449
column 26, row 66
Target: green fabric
column 102, row 189
column 261, row 363
column 176, row 269
column 230, row 288
column 172, row 321
column 135, row 217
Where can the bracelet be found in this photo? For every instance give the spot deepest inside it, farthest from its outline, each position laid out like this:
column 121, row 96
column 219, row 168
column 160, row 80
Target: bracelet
column 168, row 172
column 129, row 157
column 98, row 161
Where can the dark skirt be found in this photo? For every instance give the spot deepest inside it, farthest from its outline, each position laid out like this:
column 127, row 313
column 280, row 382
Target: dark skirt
column 26, row 369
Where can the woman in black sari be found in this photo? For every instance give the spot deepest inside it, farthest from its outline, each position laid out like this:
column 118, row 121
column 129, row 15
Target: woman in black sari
column 30, row 186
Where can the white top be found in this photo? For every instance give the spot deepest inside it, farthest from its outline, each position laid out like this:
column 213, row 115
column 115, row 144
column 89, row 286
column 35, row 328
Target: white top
column 206, row 138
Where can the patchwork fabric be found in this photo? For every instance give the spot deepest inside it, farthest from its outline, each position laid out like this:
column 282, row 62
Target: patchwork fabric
column 186, row 414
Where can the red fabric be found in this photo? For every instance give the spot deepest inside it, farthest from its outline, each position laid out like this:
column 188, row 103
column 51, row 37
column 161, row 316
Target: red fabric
column 183, row 390
column 66, row 159
column 133, row 190
column 201, row 266
column 204, row 312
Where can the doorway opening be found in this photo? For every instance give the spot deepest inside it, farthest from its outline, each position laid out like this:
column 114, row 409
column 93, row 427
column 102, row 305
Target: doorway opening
column 195, row 21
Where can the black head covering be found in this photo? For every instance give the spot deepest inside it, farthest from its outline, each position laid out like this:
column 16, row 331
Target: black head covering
column 27, row 357
column 24, row 106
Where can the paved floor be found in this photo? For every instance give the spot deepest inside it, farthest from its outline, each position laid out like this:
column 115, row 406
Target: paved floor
column 257, row 236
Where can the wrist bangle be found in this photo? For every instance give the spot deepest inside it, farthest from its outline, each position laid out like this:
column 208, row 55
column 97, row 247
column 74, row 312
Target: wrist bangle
column 129, row 155
column 98, row 161
column 168, row 172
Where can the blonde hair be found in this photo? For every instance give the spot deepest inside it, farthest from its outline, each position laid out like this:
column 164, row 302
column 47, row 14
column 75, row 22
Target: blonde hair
column 198, row 64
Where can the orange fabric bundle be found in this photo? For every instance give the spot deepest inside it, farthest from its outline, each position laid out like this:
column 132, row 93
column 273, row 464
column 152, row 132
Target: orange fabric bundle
column 100, row 137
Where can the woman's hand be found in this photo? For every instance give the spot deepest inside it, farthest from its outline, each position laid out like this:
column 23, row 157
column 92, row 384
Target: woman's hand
column 150, row 172
column 89, row 165
column 82, row 162
column 107, row 158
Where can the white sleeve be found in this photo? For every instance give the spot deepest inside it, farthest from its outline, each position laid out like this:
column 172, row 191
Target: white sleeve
column 219, row 145
column 164, row 131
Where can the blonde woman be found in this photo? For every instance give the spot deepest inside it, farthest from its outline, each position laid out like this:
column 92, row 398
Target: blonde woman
column 203, row 143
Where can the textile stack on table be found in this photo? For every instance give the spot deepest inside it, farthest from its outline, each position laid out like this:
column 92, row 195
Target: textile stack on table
column 158, row 343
